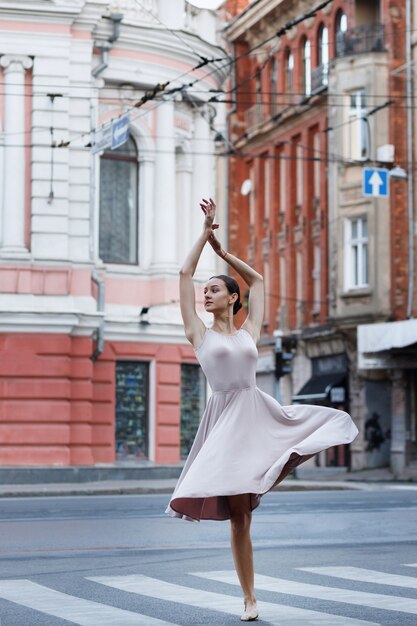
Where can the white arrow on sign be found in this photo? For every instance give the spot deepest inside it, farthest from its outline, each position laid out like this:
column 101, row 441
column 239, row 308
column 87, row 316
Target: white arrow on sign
column 376, row 183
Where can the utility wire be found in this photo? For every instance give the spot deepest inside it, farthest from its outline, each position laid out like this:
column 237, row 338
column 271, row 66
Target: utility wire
column 163, row 87
column 203, row 60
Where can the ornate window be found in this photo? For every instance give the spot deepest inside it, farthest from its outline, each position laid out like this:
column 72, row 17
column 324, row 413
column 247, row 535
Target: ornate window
column 118, row 229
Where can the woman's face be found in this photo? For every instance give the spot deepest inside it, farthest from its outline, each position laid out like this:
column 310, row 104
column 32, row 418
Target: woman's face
column 216, row 296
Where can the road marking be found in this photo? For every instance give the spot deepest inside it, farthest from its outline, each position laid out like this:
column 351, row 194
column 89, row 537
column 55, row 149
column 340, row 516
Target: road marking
column 365, row 575
column 333, row 594
column 274, row 614
column 410, row 564
column 71, row 608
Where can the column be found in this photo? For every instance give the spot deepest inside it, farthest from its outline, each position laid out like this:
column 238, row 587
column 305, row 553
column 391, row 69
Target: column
column 203, row 187
column 164, row 231
column 146, row 212
column 184, row 180
column 13, row 222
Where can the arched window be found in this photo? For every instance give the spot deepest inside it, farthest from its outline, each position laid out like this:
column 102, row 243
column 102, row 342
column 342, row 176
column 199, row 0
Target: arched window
column 341, row 26
column 274, row 86
column 306, row 65
column 341, row 22
column 118, row 223
column 289, row 70
column 323, row 53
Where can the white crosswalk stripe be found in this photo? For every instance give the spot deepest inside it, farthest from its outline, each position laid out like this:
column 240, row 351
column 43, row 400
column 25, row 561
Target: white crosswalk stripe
column 410, row 564
column 70, row 608
column 275, row 614
column 365, row 575
column 332, row 594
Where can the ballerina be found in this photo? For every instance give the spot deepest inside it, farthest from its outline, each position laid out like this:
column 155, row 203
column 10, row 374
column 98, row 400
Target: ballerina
column 246, row 442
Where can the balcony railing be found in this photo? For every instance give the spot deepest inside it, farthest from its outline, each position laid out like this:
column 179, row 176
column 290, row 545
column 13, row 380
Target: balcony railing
column 254, row 116
column 319, row 78
column 363, row 38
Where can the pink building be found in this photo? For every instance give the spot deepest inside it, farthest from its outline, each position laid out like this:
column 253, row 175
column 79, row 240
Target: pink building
column 94, row 366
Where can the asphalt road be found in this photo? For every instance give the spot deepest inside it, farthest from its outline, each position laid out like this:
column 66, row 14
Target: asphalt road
column 322, row 558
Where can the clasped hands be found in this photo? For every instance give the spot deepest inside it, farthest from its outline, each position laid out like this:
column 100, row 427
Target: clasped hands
column 209, row 209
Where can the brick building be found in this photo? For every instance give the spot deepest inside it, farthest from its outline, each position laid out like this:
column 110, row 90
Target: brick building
column 94, row 365
column 308, row 111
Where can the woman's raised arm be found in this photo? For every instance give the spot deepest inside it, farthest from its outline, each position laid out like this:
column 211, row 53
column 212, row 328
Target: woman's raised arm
column 193, row 324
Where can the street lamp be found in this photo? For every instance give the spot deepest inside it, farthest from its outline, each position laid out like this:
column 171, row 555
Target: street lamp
column 398, row 172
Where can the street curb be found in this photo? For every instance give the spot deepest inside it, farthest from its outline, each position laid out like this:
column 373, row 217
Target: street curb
column 113, row 491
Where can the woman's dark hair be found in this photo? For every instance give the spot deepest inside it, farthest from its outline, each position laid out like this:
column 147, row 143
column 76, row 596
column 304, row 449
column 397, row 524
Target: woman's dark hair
column 232, row 287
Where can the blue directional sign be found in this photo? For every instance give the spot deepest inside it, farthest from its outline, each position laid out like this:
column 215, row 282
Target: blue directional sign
column 375, row 182
column 120, row 131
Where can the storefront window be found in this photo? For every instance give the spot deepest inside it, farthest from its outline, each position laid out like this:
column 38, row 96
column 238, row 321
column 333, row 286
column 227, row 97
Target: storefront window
column 193, row 399
column 132, row 423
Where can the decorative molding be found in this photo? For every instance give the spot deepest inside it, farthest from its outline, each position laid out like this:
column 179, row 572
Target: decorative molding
column 146, row 11
column 8, row 60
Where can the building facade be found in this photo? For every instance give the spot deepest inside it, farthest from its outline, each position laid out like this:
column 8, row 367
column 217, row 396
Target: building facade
column 309, row 110
column 94, row 366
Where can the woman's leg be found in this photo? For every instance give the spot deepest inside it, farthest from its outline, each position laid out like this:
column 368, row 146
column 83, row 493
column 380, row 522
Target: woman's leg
column 240, row 518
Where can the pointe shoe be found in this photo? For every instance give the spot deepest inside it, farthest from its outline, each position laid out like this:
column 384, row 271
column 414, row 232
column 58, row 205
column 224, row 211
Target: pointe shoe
column 250, row 615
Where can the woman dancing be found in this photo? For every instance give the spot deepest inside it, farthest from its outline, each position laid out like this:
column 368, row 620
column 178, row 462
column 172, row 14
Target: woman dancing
column 246, row 442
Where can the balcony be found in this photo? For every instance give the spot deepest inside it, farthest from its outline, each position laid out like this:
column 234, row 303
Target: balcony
column 361, row 39
column 253, row 116
column 319, row 78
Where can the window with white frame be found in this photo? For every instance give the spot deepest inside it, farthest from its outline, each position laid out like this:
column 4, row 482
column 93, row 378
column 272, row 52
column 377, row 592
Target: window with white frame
column 357, row 132
column 356, row 253
column 118, row 221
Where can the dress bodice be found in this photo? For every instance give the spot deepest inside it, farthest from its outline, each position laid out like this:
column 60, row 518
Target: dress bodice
column 228, row 361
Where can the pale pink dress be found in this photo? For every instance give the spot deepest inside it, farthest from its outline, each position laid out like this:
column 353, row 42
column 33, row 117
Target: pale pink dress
column 246, row 437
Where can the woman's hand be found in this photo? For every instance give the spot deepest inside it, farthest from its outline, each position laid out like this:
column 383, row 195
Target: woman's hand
column 215, row 244
column 209, row 209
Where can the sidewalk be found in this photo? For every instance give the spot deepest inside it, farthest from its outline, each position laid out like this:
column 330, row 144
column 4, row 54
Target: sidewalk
column 308, row 479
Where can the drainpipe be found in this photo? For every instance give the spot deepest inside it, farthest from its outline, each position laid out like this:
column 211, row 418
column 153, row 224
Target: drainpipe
column 410, row 187
column 116, row 18
column 100, row 309
column 107, row 45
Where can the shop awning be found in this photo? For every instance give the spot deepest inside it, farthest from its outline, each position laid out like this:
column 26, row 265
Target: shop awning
column 318, row 387
column 381, row 337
